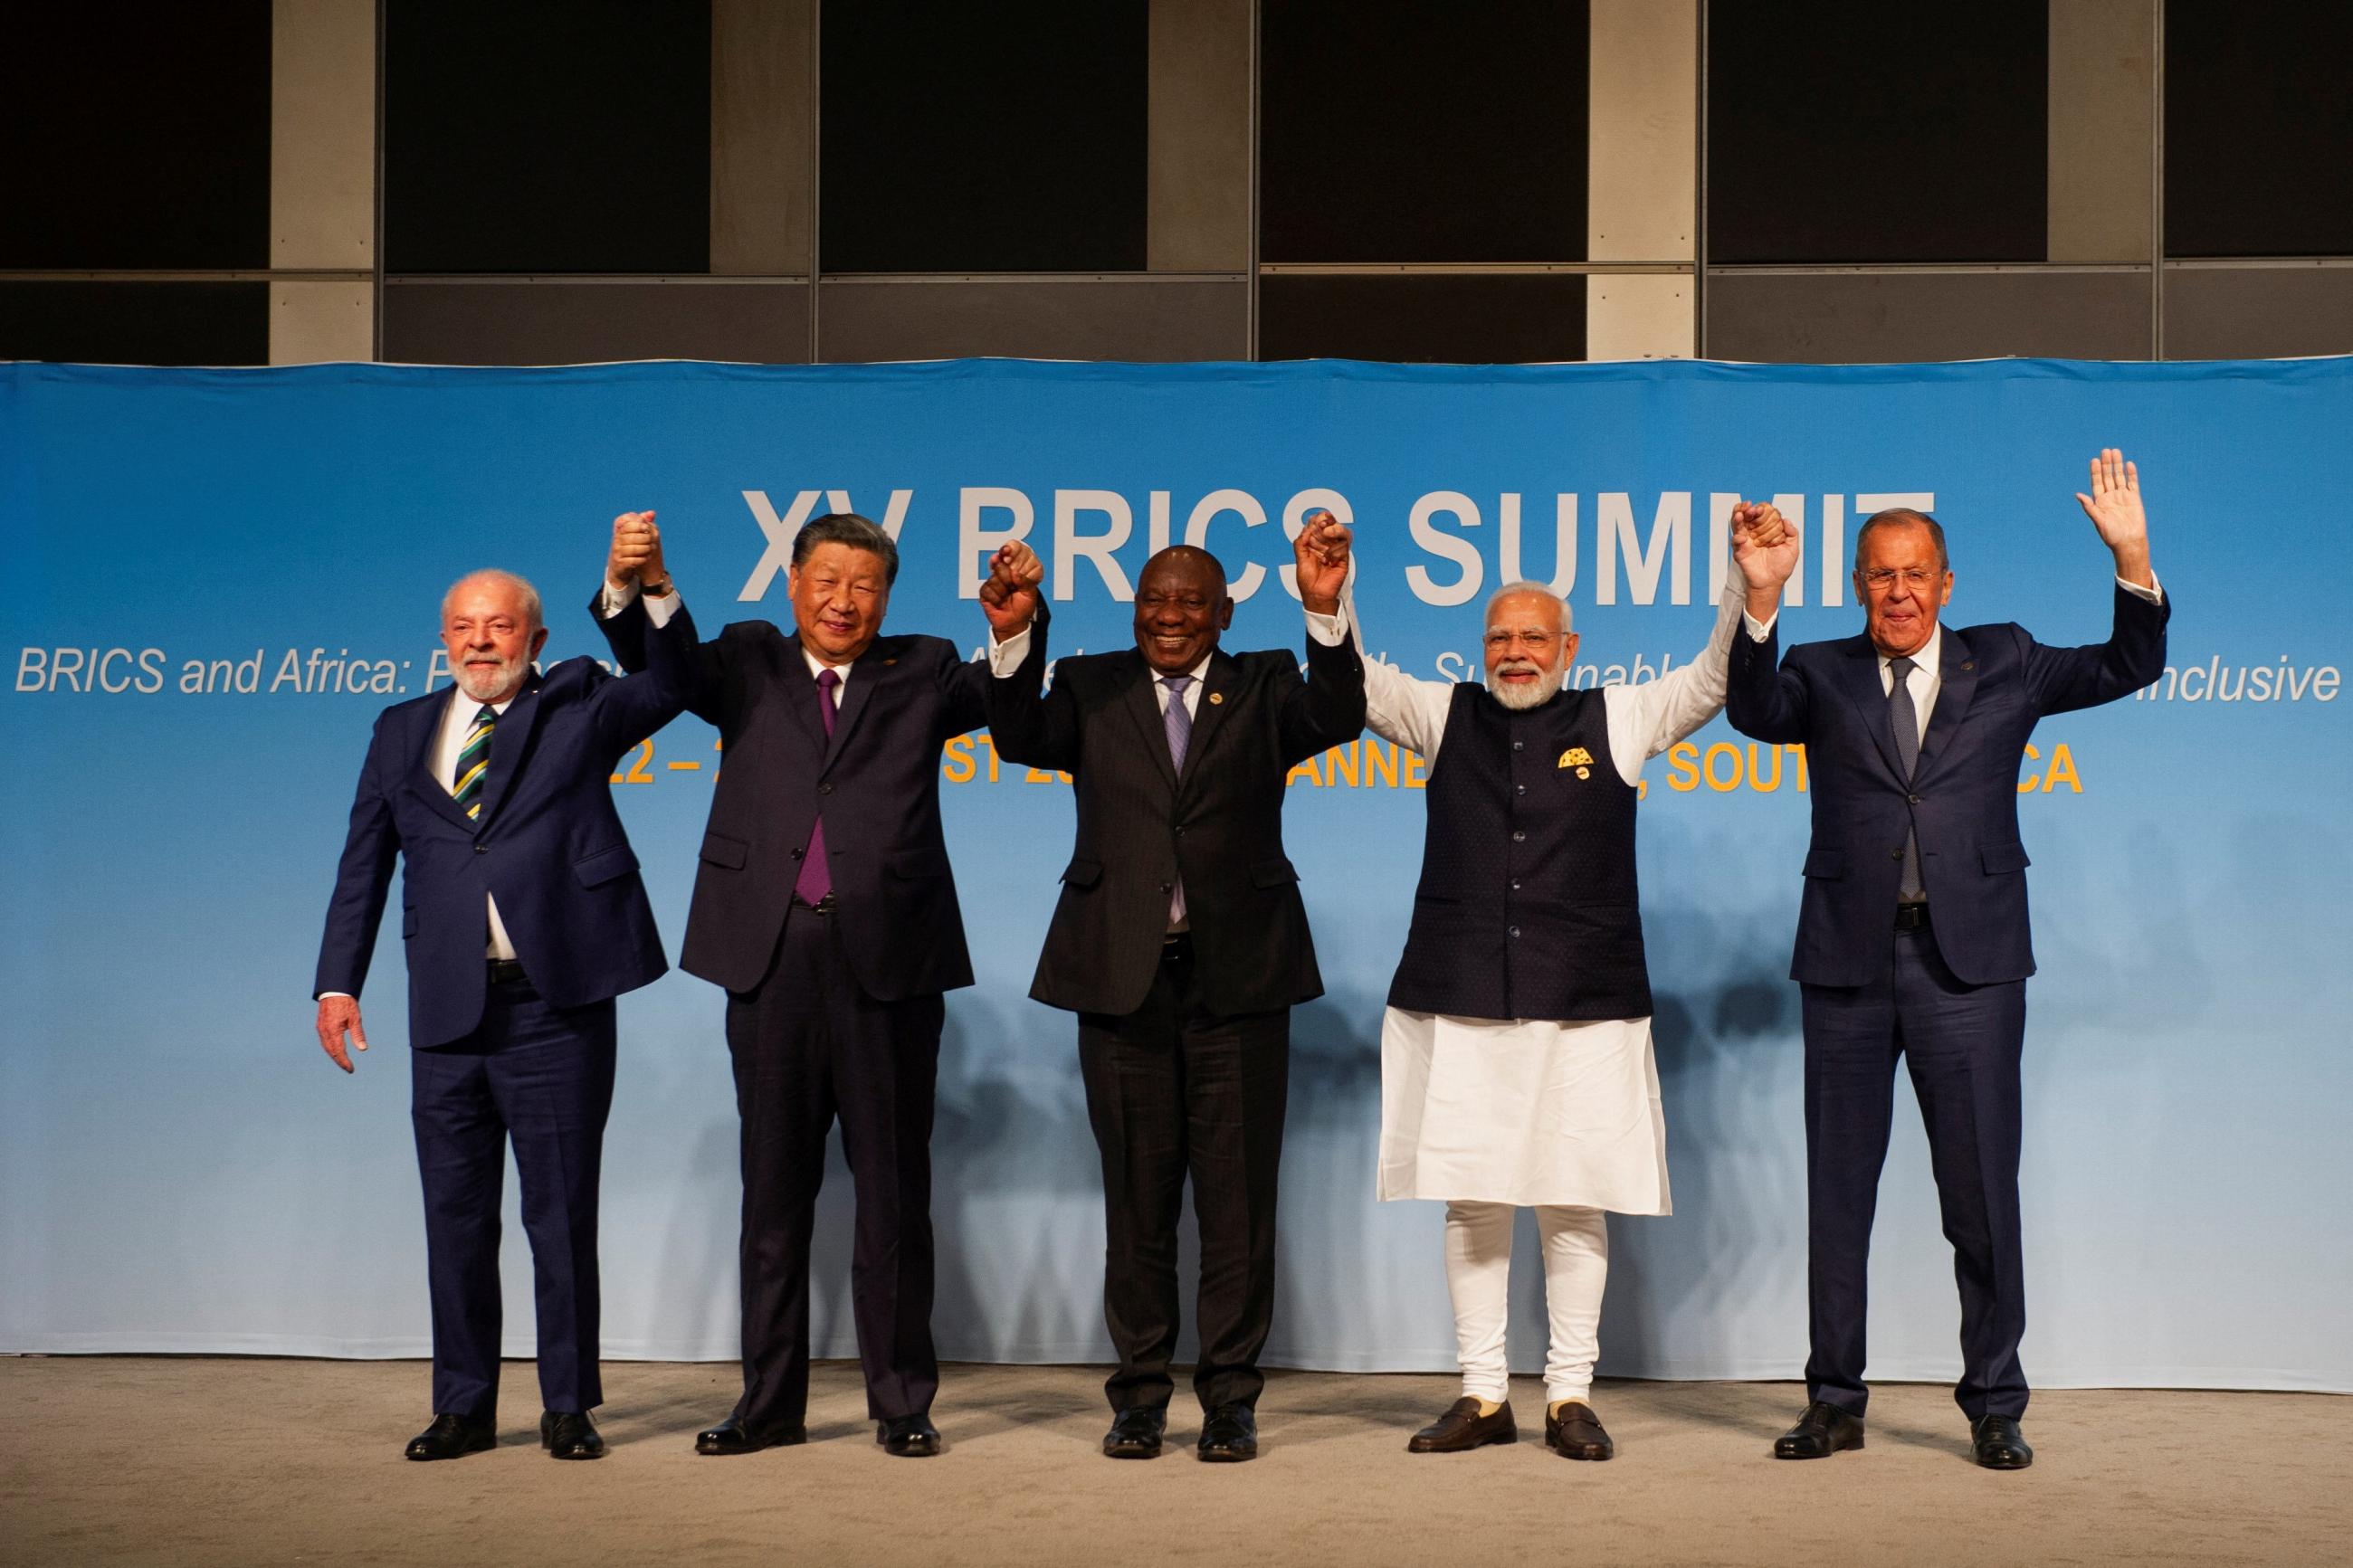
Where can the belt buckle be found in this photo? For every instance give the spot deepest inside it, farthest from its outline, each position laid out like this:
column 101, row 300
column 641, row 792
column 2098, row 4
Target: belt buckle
column 1912, row 917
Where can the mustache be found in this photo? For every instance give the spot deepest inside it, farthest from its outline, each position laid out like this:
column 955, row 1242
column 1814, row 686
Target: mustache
column 1519, row 666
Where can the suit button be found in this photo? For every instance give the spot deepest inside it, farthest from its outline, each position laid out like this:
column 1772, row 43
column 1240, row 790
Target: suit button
column 1895, row 854
column 1519, row 836
column 798, row 853
column 825, row 789
column 1180, row 833
column 1519, row 745
column 1515, row 934
column 1167, row 887
column 481, row 849
column 1913, row 798
column 1516, row 884
column 1522, row 788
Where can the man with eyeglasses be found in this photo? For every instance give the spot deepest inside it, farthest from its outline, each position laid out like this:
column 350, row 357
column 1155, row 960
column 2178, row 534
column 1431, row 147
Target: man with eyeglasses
column 1912, row 940
column 1516, row 1066
column 1180, row 942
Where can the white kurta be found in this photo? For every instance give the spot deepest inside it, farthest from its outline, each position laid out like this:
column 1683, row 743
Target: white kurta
column 1530, row 1110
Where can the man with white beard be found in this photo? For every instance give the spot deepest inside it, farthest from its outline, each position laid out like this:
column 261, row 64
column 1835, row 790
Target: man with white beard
column 1516, row 1068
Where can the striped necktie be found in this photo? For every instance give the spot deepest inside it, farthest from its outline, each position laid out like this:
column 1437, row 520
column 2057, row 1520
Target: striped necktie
column 474, row 764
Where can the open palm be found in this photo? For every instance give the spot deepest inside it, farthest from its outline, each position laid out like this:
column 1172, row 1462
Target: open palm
column 2114, row 506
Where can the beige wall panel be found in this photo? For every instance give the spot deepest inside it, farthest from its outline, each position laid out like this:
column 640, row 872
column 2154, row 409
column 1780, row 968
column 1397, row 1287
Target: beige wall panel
column 762, row 136
column 2102, row 74
column 1642, row 148
column 1197, row 181
column 322, row 134
column 321, row 323
column 1642, row 315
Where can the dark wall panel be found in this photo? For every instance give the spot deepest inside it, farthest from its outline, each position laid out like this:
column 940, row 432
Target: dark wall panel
column 1419, row 132
column 1078, row 318
column 2258, row 129
column 1443, row 319
column 1864, row 130
column 588, row 323
column 1851, row 318
column 134, row 136
column 957, row 137
column 136, row 323
column 2272, row 313
column 546, row 136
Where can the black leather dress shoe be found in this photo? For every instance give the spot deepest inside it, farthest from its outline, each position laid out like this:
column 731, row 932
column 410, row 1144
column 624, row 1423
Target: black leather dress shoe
column 1997, row 1444
column 1576, row 1433
column 1822, row 1431
column 1229, row 1435
column 570, row 1434
column 908, row 1437
column 453, row 1437
column 1136, row 1433
column 736, row 1436
column 1462, row 1428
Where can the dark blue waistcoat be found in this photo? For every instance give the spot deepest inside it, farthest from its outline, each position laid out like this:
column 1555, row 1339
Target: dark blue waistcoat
column 1527, row 907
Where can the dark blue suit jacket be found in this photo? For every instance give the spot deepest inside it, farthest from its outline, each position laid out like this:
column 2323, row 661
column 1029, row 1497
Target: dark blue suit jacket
column 548, row 846
column 1962, row 800
column 876, row 781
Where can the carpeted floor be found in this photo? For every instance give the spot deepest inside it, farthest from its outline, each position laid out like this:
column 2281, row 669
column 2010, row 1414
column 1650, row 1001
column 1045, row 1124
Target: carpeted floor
column 202, row 1462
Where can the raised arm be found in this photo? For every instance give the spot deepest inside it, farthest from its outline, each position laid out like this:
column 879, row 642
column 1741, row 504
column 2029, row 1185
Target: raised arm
column 1328, row 708
column 635, row 572
column 2066, row 678
column 1761, row 702
column 1025, row 724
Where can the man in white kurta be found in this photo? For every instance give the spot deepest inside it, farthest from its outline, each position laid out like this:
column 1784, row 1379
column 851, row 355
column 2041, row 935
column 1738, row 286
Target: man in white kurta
column 1552, row 1104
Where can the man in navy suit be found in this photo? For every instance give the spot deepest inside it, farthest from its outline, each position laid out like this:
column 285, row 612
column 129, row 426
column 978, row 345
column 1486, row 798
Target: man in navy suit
column 523, row 918
column 824, row 906
column 1912, row 939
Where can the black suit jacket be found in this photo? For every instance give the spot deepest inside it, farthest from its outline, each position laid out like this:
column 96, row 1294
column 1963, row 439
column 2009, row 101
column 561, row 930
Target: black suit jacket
column 548, row 846
column 1140, row 825
column 1962, row 799
column 878, row 784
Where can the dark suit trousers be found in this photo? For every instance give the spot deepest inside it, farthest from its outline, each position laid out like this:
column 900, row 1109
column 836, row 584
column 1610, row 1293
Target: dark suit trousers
column 1962, row 1043
column 1173, row 1090
column 543, row 1077
column 809, row 1045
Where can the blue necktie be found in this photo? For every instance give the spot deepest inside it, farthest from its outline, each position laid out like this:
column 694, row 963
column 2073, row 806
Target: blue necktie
column 1906, row 720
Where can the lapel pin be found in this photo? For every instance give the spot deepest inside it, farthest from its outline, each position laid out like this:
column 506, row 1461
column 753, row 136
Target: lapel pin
column 1215, row 697
column 888, row 662
column 1969, row 664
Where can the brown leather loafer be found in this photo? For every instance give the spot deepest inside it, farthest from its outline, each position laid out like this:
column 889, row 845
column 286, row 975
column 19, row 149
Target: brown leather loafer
column 1822, row 1431
column 1462, row 1428
column 1996, row 1444
column 1576, row 1433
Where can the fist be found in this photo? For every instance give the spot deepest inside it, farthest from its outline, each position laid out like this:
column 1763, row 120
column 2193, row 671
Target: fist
column 1008, row 595
column 636, row 552
column 1322, row 549
column 1764, row 545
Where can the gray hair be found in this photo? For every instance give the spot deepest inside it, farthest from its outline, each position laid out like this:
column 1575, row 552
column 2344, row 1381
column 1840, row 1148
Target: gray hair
column 1529, row 586
column 855, row 532
column 521, row 585
column 1895, row 515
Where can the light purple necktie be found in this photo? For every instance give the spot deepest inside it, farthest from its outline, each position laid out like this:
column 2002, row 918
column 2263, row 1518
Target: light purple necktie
column 815, row 880
column 1178, row 721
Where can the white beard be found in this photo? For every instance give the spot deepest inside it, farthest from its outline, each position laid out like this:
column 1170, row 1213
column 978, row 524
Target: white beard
column 487, row 688
column 1519, row 698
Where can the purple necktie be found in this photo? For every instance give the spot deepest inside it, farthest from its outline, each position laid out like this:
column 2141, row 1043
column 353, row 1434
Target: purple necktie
column 815, row 880
column 1178, row 721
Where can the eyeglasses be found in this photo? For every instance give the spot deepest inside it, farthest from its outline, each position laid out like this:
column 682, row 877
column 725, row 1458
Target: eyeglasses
column 1500, row 642
column 1881, row 579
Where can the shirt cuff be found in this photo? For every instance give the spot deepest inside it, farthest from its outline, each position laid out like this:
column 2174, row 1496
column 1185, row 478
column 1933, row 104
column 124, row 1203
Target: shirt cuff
column 2154, row 594
column 612, row 601
column 1004, row 658
column 1758, row 630
column 344, row 994
column 660, row 610
column 1331, row 630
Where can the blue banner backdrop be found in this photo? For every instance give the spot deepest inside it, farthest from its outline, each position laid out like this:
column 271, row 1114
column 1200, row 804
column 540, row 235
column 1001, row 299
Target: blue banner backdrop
column 219, row 576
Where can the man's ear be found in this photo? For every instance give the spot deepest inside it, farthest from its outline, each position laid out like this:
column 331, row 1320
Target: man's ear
column 1568, row 649
column 538, row 641
column 1226, row 613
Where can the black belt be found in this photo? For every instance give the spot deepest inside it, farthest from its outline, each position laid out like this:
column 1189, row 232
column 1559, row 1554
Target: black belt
column 506, row 972
column 824, row 906
column 1912, row 917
